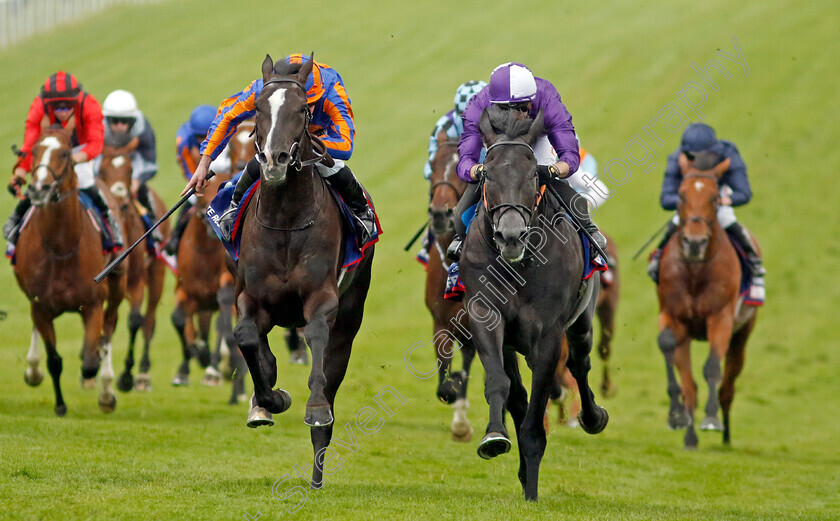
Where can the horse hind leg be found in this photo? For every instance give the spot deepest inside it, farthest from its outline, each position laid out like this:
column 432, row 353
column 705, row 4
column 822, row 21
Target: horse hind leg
column 154, row 286
column 265, row 401
column 461, row 429
column 592, row 417
column 180, row 319
column 677, row 416
column 33, row 375
column 202, row 345
column 606, row 317
column 711, row 372
column 317, row 332
column 107, row 397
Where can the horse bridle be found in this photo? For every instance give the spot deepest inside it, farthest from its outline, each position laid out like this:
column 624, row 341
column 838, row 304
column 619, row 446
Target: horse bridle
column 444, row 182
column 53, row 187
column 526, row 213
column 709, row 222
column 294, row 149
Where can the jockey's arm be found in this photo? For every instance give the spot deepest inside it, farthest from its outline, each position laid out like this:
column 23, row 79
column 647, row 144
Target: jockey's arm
column 199, row 177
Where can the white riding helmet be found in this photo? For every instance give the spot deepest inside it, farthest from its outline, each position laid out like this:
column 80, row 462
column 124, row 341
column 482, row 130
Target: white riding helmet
column 120, row 104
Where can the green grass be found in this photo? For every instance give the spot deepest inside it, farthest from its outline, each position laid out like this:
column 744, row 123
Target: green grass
column 184, row 454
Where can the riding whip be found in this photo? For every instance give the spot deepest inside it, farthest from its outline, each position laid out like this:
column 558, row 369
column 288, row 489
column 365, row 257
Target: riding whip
column 416, row 235
column 116, row 262
column 577, row 222
column 652, row 237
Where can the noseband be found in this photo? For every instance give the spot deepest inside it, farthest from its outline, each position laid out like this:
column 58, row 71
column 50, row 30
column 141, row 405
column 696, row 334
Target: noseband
column 52, row 195
column 526, row 213
column 444, row 182
column 294, row 150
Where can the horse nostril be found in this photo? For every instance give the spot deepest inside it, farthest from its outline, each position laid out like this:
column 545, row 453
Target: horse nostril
column 262, row 158
column 449, row 212
column 282, row 158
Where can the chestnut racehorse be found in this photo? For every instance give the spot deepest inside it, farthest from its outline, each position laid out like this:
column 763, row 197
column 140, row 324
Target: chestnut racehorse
column 145, row 272
column 699, row 299
column 205, row 286
column 58, row 254
column 444, row 192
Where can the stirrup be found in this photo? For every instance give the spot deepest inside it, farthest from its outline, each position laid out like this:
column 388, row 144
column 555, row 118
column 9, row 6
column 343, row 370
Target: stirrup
column 226, row 220
column 365, row 226
column 453, row 252
column 11, row 228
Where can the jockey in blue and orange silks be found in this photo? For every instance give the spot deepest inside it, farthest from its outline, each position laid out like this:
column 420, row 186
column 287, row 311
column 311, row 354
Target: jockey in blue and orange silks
column 332, row 122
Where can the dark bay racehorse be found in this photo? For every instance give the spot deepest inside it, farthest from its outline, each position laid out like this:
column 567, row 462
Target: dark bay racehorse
column 699, row 299
column 522, row 296
column 145, row 272
column 289, row 272
column 445, row 191
column 58, row 254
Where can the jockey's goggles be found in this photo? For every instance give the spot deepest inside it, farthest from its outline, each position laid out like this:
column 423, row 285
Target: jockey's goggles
column 522, row 106
column 116, row 120
column 63, row 105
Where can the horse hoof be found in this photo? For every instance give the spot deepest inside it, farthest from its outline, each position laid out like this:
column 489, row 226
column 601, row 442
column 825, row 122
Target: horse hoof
column 203, row 355
column 125, row 383
column 711, row 423
column 690, row 439
column 258, row 417
column 60, row 410
column 107, row 402
column 494, row 444
column 143, row 383
column 318, row 416
column 181, row 380
column 212, row 378
column 677, row 419
column 299, row 357
column 88, row 383
column 601, row 419
column 462, row 433
column 33, row 378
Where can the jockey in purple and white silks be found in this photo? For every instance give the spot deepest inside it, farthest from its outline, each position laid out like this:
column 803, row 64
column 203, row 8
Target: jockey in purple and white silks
column 513, row 87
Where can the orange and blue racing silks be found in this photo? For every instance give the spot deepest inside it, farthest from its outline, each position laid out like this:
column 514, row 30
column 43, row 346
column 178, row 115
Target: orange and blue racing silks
column 185, row 141
column 332, row 116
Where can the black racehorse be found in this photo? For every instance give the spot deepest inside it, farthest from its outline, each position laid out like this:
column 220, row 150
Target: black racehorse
column 522, row 266
column 290, row 261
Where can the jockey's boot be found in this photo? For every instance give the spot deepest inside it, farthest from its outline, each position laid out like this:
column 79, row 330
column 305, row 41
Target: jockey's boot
column 349, row 188
column 145, row 199
column 656, row 256
column 580, row 207
column 469, row 199
column 249, row 176
column 183, row 220
column 11, row 230
column 743, row 237
column 114, row 225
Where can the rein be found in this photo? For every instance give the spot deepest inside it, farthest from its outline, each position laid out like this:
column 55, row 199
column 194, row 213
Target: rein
column 277, row 228
column 526, row 213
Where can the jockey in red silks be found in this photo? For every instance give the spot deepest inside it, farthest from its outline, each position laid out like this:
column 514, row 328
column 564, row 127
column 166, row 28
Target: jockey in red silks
column 62, row 101
column 332, row 122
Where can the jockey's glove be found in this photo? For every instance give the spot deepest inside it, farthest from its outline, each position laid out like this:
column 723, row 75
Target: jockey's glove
column 14, row 185
column 546, row 173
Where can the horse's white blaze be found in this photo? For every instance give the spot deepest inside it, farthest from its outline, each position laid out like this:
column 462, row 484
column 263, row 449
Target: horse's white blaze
column 119, row 189
column 243, row 136
column 698, row 185
column 275, row 101
column 33, row 357
column 118, row 161
column 51, row 143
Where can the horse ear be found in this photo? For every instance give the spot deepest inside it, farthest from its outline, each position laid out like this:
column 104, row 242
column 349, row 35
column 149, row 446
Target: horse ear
column 486, row 128
column 537, row 127
column 267, row 67
column 306, row 69
column 683, row 162
column 722, row 167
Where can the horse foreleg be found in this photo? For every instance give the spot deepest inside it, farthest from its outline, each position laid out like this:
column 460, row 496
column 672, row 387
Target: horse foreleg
column 734, row 364
column 33, row 375
column 719, row 331
column 135, row 322
column 265, row 401
column 202, row 344
column 682, row 359
column 606, row 317
column 444, row 344
column 319, row 311
column 532, row 435
column 517, row 405
column 180, row 319
column 44, row 325
column 671, row 334
column 496, row 385
column 156, row 275
column 592, row 418
column 461, row 428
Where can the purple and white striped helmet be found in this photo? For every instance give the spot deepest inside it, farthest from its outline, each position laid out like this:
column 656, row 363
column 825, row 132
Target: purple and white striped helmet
column 512, row 83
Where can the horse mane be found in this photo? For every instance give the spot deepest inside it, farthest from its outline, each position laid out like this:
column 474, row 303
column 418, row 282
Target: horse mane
column 706, row 160
column 507, row 123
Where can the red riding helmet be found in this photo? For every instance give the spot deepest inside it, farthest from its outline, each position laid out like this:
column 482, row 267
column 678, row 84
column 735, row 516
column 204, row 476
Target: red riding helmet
column 61, row 86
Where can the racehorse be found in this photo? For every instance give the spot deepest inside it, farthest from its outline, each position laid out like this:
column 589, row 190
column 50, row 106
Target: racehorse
column 444, row 192
column 205, row 286
column 521, row 297
column 241, row 148
column 699, row 299
column 58, row 254
column 145, row 272
column 605, row 309
column 290, row 265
